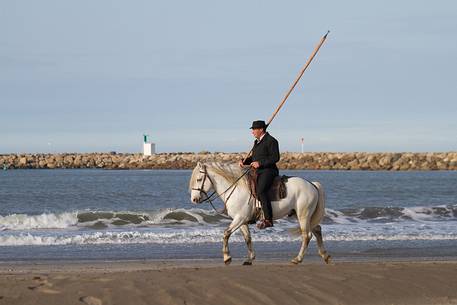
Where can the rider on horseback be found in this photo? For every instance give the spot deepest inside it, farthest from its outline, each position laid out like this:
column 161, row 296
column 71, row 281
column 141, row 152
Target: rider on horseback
column 265, row 154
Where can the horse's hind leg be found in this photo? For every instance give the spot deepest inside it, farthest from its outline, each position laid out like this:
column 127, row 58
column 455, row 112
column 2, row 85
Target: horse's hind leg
column 306, row 236
column 317, row 231
column 247, row 237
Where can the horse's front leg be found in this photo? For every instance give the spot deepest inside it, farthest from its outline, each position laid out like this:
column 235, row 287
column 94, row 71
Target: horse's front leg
column 247, row 237
column 234, row 225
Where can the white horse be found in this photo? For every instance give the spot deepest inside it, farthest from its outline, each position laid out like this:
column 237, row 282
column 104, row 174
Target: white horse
column 304, row 198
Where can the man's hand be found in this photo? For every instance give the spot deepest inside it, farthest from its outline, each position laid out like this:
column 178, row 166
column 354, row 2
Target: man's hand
column 240, row 163
column 255, row 164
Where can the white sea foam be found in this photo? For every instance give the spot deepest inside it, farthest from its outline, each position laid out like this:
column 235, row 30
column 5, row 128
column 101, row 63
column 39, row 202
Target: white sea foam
column 43, row 221
column 212, row 234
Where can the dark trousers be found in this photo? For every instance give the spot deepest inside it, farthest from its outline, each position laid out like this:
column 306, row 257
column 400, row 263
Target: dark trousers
column 265, row 179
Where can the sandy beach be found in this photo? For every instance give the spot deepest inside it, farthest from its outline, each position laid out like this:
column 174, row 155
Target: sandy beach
column 210, row 282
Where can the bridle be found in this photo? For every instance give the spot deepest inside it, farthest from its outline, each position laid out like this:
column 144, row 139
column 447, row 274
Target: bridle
column 201, row 189
column 209, row 198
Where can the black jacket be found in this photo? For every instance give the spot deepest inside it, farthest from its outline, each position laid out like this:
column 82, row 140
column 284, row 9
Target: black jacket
column 266, row 152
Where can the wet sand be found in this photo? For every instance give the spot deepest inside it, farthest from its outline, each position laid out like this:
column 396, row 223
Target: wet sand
column 210, row 282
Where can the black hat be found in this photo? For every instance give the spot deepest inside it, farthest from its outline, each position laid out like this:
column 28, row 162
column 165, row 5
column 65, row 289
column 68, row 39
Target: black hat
column 258, row 124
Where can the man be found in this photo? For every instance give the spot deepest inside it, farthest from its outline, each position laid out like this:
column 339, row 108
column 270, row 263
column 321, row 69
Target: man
column 265, row 154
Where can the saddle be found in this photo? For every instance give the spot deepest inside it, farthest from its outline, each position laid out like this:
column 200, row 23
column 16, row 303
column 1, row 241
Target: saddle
column 277, row 191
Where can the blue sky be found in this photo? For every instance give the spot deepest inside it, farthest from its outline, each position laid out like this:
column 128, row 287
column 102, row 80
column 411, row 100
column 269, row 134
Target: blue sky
column 83, row 76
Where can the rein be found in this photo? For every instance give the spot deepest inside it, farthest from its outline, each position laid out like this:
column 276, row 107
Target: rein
column 209, row 197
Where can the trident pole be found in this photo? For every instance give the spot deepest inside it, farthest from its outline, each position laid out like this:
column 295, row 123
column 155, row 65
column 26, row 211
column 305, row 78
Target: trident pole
column 302, row 71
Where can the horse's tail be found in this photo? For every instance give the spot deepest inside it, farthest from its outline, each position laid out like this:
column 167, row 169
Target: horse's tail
column 319, row 212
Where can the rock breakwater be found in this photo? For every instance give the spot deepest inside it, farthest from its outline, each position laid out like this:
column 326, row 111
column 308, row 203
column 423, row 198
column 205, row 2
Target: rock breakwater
column 289, row 160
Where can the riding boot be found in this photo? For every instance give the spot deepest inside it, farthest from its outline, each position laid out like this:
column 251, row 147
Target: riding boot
column 264, row 181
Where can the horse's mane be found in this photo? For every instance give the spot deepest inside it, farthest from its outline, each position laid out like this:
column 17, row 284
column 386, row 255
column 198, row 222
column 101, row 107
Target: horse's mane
column 228, row 171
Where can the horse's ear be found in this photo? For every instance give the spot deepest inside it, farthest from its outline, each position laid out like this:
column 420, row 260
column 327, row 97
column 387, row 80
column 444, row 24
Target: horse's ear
column 199, row 164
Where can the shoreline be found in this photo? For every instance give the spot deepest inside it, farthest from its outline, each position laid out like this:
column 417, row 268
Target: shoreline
column 124, row 265
column 280, row 252
column 405, row 161
column 412, row 282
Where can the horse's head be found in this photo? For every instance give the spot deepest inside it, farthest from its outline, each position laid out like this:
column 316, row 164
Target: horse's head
column 200, row 183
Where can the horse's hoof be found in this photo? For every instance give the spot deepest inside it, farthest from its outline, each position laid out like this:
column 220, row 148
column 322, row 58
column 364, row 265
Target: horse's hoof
column 327, row 259
column 295, row 261
column 228, row 261
column 247, row 263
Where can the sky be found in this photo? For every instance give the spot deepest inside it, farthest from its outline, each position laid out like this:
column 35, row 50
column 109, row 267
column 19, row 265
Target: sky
column 91, row 76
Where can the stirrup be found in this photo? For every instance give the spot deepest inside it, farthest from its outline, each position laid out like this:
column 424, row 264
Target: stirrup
column 264, row 224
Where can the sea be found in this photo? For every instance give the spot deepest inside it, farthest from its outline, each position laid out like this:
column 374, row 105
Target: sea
column 111, row 215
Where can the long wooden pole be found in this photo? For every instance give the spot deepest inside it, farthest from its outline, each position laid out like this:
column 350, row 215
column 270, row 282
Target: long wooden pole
column 302, row 71
column 316, row 49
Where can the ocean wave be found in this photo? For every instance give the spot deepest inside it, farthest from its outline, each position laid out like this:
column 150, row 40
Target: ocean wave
column 43, row 221
column 99, row 220
column 109, row 219
column 391, row 214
